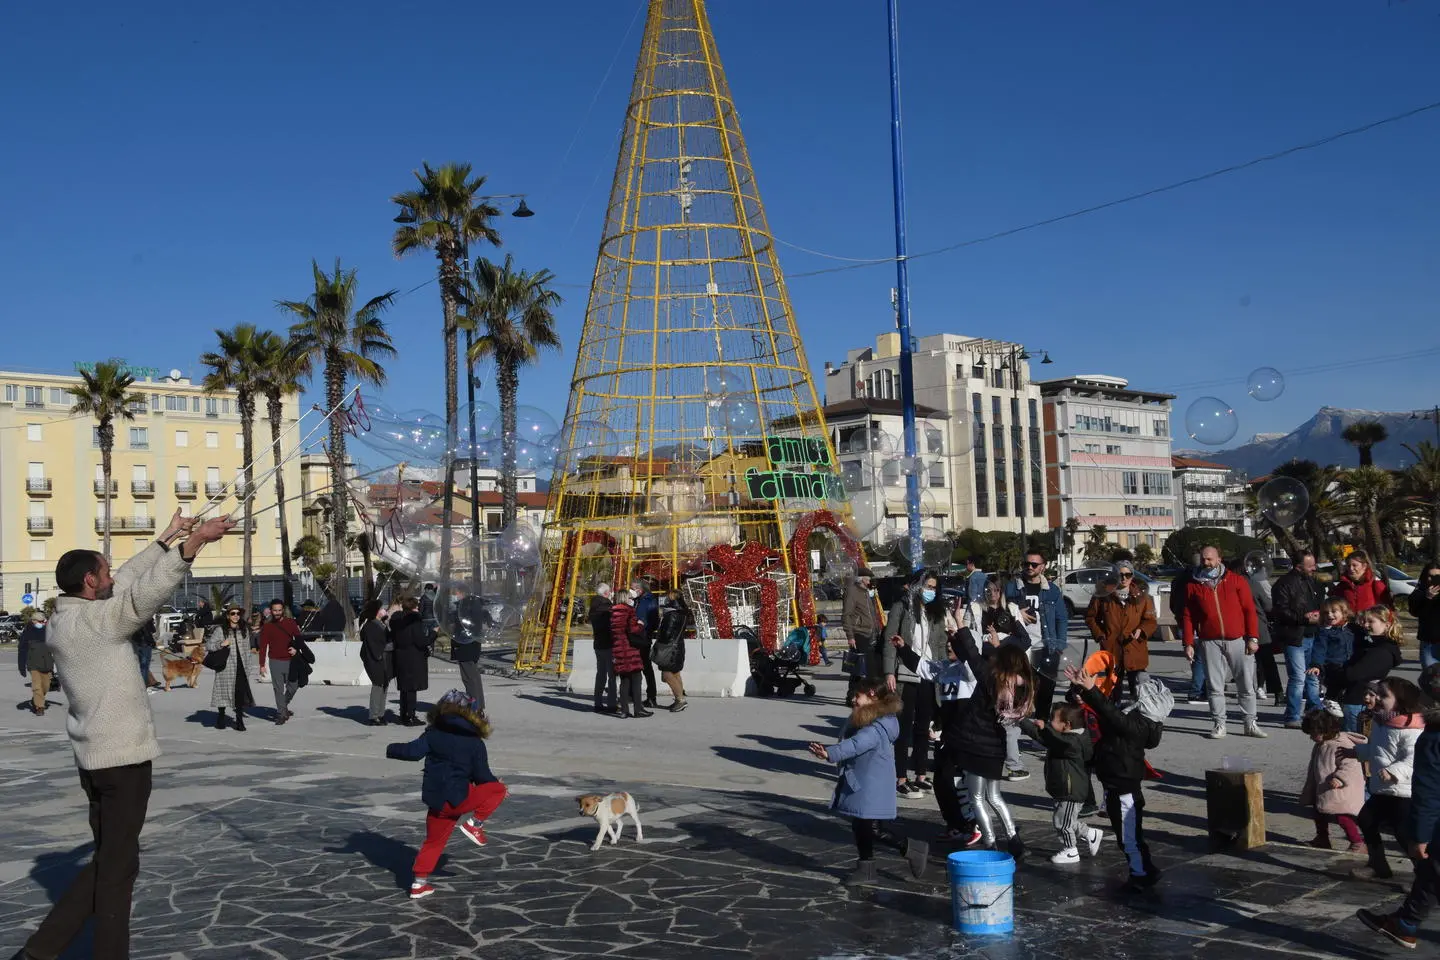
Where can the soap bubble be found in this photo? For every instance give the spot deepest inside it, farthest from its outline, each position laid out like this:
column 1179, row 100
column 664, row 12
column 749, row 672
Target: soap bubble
column 409, row 436
column 1265, row 383
column 1211, row 421
column 741, row 415
column 937, row 553
column 1283, row 501
column 857, row 476
column 916, row 466
column 1255, row 561
column 519, row 544
column 582, row 441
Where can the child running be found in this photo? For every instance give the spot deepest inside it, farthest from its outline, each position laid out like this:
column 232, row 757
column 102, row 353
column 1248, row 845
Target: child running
column 1334, row 781
column 1068, row 753
column 865, row 791
column 1396, row 720
column 457, row 780
column 1120, row 763
column 1004, row 695
column 1375, row 655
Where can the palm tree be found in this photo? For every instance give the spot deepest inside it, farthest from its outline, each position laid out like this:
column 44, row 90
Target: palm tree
column 234, row 367
column 1364, row 435
column 1421, row 483
column 517, row 311
column 348, row 342
column 1322, row 517
column 104, row 393
column 445, row 214
column 282, row 366
column 1365, row 491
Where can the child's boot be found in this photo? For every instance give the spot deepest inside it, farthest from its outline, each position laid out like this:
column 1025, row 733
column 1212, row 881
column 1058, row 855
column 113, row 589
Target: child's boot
column 917, row 854
column 863, row 874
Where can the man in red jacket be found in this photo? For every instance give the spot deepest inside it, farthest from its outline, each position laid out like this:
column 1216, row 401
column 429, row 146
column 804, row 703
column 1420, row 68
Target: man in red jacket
column 277, row 636
column 1219, row 612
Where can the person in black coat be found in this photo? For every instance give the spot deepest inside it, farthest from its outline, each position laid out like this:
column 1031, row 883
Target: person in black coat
column 606, row 693
column 1375, row 655
column 411, row 637
column 36, row 661
column 377, row 656
column 1424, row 606
column 1294, row 618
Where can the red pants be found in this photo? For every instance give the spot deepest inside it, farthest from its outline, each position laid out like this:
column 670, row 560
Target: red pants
column 439, row 824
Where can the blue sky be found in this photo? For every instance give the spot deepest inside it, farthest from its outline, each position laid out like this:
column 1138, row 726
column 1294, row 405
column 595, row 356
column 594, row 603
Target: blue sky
column 171, row 168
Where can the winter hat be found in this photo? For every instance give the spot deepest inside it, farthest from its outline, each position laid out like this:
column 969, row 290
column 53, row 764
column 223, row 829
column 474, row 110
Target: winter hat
column 461, row 699
column 1154, row 700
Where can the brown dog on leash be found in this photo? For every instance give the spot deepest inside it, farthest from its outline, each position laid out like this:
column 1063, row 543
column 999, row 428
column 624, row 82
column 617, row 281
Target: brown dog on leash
column 186, row 667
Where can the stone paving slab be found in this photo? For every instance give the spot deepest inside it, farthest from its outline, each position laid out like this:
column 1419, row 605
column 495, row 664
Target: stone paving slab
column 309, row 863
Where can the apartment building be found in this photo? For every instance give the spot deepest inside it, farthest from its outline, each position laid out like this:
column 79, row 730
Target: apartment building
column 1209, row 494
column 1108, row 450
column 984, row 435
column 181, row 448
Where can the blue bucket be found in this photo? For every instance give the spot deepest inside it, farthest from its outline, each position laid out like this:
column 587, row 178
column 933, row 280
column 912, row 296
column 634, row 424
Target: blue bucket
column 982, row 891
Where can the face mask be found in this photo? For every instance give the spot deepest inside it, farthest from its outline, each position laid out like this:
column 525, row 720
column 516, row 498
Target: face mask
column 927, row 595
column 1206, row 573
column 871, row 591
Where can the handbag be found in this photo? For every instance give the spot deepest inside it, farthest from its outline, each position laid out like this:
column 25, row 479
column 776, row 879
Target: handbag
column 852, row 662
column 217, row 659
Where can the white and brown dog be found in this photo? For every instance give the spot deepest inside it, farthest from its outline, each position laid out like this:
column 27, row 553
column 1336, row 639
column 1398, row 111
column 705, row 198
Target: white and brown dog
column 610, row 811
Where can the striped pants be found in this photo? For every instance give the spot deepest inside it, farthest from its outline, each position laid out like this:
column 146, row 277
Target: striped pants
column 1067, row 823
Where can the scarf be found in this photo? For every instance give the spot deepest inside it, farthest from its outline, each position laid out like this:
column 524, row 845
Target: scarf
column 1122, row 594
column 1008, row 701
column 1398, row 721
column 1211, row 578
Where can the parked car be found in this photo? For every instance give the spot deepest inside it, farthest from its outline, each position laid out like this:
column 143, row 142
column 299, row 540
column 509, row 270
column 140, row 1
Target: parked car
column 1401, row 584
column 10, row 628
column 1078, row 586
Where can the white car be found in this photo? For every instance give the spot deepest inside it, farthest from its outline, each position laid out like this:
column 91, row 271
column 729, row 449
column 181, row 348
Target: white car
column 1401, row 584
column 1079, row 586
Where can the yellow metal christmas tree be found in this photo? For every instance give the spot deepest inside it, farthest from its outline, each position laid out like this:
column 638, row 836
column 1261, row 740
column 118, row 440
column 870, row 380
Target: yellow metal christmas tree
column 694, row 452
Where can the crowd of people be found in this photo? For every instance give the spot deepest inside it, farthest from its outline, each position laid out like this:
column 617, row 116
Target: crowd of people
column 633, row 632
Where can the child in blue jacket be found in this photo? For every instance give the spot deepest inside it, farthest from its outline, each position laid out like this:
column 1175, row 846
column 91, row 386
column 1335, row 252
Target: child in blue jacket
column 865, row 791
column 457, row 781
column 1335, row 638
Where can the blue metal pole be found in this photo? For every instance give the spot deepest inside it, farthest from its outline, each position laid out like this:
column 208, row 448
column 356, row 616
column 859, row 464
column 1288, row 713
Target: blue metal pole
column 902, row 297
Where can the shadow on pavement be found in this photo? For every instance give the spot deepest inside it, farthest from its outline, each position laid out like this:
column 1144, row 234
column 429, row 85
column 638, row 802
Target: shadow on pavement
column 582, row 704
column 387, row 853
column 774, row 762
column 355, row 713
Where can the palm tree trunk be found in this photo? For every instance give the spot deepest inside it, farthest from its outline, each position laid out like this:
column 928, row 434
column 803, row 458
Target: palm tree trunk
column 275, row 408
column 449, row 297
column 365, row 558
column 1372, row 533
column 107, row 444
column 247, row 501
column 334, row 394
column 1367, row 458
column 1286, row 538
column 508, row 382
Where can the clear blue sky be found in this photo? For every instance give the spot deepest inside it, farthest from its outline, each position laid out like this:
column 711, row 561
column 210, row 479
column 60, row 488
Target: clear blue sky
column 169, row 168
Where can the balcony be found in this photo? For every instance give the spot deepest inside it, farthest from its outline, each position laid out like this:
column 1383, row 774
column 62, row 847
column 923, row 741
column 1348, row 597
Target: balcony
column 100, row 488
column 40, row 525
column 213, row 488
column 126, row 524
column 142, row 488
column 37, row 486
column 185, row 489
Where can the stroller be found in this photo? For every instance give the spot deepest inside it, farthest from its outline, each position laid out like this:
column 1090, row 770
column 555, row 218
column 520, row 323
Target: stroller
column 778, row 673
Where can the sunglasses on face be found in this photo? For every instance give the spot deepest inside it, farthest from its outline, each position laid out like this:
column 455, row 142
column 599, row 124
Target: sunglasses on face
column 1126, row 576
column 1031, row 565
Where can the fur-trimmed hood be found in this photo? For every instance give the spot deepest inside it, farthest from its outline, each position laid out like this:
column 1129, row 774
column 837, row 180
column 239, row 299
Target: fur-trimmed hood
column 886, row 706
column 459, row 719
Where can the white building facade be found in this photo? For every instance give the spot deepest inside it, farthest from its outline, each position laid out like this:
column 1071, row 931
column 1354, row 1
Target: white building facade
column 1209, row 494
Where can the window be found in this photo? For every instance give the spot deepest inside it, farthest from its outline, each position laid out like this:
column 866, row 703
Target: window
column 492, row 522
column 225, row 406
column 37, row 549
column 1014, row 410
column 33, row 431
column 1112, row 448
column 1092, row 448
column 1132, row 510
column 934, row 438
column 1162, row 426
column 1129, row 482
column 94, row 436
column 959, row 371
column 1156, row 483
column 34, row 396
column 937, row 474
column 1019, row 476
column 139, row 473
column 239, row 441
column 194, row 404
column 12, row 393
column 212, row 407
column 1034, row 414
column 995, row 409
column 182, row 438
column 179, row 404
column 57, row 397
column 154, row 401
column 212, row 440
column 982, row 485
column 139, row 438
column 997, row 377
column 890, row 473
column 977, row 372
column 137, row 407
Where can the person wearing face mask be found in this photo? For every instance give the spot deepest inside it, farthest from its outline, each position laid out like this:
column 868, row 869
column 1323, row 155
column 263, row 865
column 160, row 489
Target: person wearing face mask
column 858, row 617
column 1219, row 617
column 647, row 611
column 918, row 620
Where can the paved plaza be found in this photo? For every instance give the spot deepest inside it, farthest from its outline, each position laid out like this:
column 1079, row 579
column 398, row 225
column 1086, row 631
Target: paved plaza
column 296, row 842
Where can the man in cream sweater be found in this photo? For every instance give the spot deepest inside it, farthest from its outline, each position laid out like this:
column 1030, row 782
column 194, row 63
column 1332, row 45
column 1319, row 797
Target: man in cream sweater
column 110, row 725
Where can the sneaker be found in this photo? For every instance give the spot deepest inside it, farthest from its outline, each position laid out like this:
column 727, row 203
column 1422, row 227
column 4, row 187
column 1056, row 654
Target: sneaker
column 1252, row 729
column 1388, row 925
column 923, row 785
column 1217, row 732
column 1372, row 873
column 1294, row 725
column 1358, row 848
column 679, row 705
column 1092, row 840
column 1017, row 773
column 1193, row 697
column 1068, row 855
column 906, row 792
column 1319, row 843
column 474, row 830
column 976, row 838
column 420, row 888
column 1142, row 881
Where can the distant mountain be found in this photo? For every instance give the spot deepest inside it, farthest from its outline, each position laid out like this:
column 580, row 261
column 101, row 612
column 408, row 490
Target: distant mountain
column 1319, row 439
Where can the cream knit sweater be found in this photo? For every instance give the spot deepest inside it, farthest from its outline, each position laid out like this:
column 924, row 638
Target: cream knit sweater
column 109, row 721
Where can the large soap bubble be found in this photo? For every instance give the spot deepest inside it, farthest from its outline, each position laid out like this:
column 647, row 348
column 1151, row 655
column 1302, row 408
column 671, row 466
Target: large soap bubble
column 405, row 436
column 1283, row 501
column 520, row 544
column 1265, row 383
column 1211, row 421
column 741, row 415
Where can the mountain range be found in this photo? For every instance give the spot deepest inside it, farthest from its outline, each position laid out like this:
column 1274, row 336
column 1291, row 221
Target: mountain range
column 1319, row 439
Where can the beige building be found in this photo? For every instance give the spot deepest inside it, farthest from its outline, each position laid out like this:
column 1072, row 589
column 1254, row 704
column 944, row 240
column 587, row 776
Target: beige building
column 182, row 449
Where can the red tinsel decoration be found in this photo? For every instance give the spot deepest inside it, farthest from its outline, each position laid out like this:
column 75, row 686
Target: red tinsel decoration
column 800, row 562
column 734, row 568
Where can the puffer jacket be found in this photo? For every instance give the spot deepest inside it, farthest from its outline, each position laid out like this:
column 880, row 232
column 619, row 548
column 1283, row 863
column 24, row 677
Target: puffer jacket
column 453, row 748
column 1425, row 787
column 1067, row 760
column 866, row 785
column 1124, row 738
column 1392, row 749
column 901, row 623
column 1369, row 591
column 626, row 631
column 1338, row 758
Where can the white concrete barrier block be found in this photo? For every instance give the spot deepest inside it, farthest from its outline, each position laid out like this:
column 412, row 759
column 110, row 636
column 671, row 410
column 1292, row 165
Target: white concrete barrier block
column 715, row 668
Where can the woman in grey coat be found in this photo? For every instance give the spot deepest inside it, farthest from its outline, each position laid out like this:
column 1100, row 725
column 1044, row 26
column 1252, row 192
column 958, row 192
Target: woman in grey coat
column 234, row 683
column 920, row 607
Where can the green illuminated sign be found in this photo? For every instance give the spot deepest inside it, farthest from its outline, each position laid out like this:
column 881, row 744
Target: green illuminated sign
column 792, row 485
column 802, row 451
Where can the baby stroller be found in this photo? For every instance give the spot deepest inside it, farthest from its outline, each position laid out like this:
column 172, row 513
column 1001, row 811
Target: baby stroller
column 778, row 673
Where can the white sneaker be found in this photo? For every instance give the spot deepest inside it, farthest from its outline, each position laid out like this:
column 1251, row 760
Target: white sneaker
column 1252, row 729
column 1092, row 840
column 1217, row 732
column 1068, row 855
